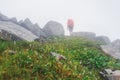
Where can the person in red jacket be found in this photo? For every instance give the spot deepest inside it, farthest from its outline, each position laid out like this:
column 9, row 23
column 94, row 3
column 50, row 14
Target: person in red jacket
column 70, row 25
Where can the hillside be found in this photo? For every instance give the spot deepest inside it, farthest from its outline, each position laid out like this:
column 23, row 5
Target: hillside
column 33, row 61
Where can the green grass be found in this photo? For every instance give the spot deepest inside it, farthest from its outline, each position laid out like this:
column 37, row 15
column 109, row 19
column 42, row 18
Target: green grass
column 32, row 61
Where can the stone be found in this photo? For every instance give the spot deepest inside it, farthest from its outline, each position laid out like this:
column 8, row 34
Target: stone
column 103, row 39
column 27, row 24
column 34, row 28
column 3, row 18
column 14, row 31
column 116, row 43
column 41, row 39
column 89, row 35
column 14, row 20
column 109, row 74
column 7, row 36
column 58, row 56
column 92, row 36
column 20, row 22
column 112, row 49
column 53, row 28
column 38, row 31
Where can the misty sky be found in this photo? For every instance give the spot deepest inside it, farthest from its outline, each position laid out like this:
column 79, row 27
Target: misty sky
column 99, row 16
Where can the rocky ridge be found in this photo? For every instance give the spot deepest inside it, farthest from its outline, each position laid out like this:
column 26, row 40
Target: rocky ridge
column 25, row 29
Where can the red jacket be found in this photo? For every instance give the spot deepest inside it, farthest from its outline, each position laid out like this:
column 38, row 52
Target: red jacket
column 70, row 23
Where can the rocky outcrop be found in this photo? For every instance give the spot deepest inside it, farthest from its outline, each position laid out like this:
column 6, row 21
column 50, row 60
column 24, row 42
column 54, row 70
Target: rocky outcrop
column 27, row 24
column 34, row 28
column 14, row 31
column 112, row 49
column 103, row 39
column 53, row 28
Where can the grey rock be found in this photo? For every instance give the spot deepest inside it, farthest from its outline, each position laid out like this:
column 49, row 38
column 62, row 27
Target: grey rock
column 27, row 24
column 112, row 49
column 34, row 28
column 3, row 18
column 14, row 20
column 103, row 39
column 41, row 39
column 92, row 36
column 6, row 36
column 53, row 28
column 58, row 56
column 109, row 74
column 20, row 22
column 11, row 29
column 116, row 42
column 89, row 35
column 38, row 31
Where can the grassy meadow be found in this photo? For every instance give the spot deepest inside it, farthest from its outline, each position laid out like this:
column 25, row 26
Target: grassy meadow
column 32, row 60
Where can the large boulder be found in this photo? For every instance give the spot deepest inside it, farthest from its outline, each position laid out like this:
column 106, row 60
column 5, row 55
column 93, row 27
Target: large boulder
column 103, row 39
column 112, row 49
column 53, row 28
column 15, row 32
column 34, row 28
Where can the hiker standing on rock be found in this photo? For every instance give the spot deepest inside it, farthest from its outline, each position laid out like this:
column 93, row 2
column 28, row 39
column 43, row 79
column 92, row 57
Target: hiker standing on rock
column 70, row 25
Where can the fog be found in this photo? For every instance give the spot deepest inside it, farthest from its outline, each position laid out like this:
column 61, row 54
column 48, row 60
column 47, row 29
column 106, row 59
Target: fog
column 99, row 16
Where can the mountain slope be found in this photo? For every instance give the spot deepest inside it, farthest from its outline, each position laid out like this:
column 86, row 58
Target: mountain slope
column 33, row 61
